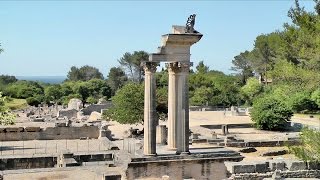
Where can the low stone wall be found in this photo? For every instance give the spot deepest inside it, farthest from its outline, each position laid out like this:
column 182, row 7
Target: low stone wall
column 266, row 169
column 49, row 133
column 218, row 126
column 271, row 143
column 27, row 162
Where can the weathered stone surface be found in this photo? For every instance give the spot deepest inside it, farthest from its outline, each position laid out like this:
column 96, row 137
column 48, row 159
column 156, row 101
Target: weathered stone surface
column 262, row 167
column 94, row 116
column 240, row 167
column 248, row 150
column 277, row 165
column 314, row 165
column 293, row 165
column 75, row 104
column 69, row 113
column 96, row 108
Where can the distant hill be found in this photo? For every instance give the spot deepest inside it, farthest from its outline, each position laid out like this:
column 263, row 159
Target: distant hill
column 44, row 79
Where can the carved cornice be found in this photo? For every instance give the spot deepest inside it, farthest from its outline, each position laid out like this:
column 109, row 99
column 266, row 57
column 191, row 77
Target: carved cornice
column 177, row 67
column 150, row 66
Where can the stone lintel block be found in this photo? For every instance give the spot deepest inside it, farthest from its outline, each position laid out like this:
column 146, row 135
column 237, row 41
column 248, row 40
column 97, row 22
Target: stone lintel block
column 293, row 165
column 180, row 39
column 156, row 57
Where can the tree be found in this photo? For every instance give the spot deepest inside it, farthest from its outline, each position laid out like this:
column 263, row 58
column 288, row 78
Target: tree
column 24, row 89
column 84, row 73
column 309, row 150
column 251, row 90
column 265, row 50
column 270, row 113
column 128, row 105
column 202, row 96
column 241, row 64
column 84, row 91
column 5, row 79
column 132, row 64
column 53, row 92
column 6, row 117
column 116, row 78
column 202, row 68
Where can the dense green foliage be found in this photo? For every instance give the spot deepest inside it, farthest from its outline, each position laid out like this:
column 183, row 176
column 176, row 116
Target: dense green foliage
column 128, row 105
column 84, row 73
column 270, row 113
column 131, row 63
column 116, row 79
column 309, row 150
column 6, row 118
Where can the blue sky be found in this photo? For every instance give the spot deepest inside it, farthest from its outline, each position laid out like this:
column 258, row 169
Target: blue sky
column 42, row 38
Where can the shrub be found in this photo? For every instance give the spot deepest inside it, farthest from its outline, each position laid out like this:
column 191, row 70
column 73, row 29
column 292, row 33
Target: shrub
column 315, row 96
column 309, row 150
column 301, row 101
column 92, row 100
column 269, row 113
column 32, row 101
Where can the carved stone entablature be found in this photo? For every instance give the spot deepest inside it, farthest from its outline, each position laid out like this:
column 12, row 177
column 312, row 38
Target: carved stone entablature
column 177, row 67
column 150, row 66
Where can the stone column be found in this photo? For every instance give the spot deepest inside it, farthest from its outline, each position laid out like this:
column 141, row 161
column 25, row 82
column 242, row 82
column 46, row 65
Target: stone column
column 182, row 110
column 150, row 109
column 172, row 103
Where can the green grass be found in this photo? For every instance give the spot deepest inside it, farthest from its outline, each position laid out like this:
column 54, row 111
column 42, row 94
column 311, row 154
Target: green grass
column 15, row 104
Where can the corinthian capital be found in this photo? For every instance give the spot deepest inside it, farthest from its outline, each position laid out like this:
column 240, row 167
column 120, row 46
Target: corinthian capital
column 177, row 67
column 150, row 66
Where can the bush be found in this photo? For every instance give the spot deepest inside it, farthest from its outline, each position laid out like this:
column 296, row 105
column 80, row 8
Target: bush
column 92, row 100
column 269, row 113
column 32, row 101
column 301, row 102
column 309, row 150
column 315, row 96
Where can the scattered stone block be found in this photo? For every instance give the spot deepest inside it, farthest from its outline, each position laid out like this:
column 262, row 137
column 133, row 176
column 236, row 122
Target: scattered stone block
column 295, row 165
column 32, row 129
column 274, row 153
column 248, row 150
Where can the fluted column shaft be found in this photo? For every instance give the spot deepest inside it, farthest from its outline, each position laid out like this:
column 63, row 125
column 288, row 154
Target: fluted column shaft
column 183, row 108
column 178, row 107
column 150, row 121
column 172, row 106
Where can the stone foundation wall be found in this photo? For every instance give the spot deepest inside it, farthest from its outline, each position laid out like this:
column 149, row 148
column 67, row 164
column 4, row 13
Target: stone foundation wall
column 197, row 169
column 50, row 133
column 266, row 169
column 27, row 163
